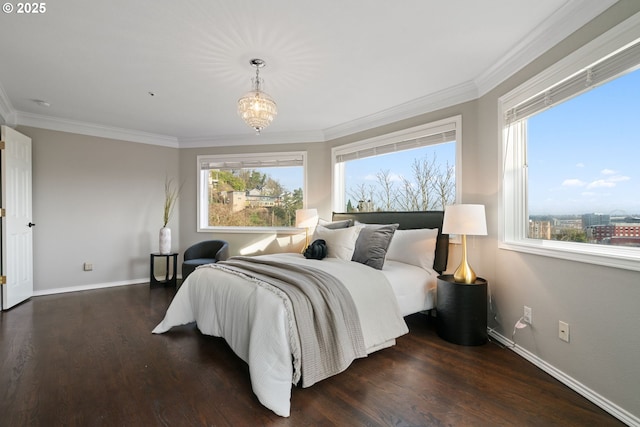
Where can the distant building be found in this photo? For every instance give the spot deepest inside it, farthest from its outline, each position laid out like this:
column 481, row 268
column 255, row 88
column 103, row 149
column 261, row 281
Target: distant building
column 616, row 234
column 591, row 219
column 240, row 200
column 540, row 230
column 626, row 219
column 567, row 224
column 237, row 200
column 256, row 200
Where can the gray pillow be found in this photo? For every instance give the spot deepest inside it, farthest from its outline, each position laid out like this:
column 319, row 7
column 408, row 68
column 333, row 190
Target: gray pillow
column 335, row 225
column 372, row 244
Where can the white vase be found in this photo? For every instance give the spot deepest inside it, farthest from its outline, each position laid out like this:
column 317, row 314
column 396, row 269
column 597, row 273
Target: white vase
column 165, row 240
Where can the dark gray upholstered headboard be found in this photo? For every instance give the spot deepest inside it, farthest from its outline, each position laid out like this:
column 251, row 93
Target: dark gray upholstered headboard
column 408, row 221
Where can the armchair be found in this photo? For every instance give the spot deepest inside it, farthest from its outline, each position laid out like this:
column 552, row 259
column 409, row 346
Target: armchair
column 206, row 252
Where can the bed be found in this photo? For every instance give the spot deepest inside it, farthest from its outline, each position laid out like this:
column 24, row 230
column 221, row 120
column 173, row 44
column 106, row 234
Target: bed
column 357, row 298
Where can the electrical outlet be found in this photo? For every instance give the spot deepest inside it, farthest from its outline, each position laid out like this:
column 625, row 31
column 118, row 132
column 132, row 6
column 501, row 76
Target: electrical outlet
column 527, row 315
column 87, row 266
column 563, row 331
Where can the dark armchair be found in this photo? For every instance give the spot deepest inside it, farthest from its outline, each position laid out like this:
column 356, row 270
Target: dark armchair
column 207, row 252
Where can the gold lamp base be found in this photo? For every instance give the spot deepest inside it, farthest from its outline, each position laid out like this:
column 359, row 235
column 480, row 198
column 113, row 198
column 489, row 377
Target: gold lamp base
column 306, row 240
column 464, row 273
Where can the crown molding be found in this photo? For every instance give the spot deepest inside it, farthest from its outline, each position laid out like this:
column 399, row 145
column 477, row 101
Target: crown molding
column 442, row 99
column 7, row 113
column 252, row 139
column 92, row 129
column 564, row 22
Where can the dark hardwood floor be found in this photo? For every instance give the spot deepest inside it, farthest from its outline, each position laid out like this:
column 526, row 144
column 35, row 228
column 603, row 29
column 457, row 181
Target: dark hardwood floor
column 89, row 359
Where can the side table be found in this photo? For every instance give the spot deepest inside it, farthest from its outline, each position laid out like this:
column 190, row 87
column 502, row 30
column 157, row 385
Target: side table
column 171, row 263
column 461, row 311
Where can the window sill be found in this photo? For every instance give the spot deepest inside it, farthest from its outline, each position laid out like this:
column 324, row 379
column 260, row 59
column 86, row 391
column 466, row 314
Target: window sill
column 615, row 257
column 252, row 230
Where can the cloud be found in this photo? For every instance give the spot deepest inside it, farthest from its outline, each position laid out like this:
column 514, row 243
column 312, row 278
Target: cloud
column 618, row 178
column 580, row 165
column 609, row 182
column 573, row 182
column 393, row 177
column 601, row 183
column 607, row 172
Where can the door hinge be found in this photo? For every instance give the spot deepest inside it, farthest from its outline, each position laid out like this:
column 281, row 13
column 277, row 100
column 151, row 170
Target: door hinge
column 1, row 145
column 3, row 280
column 2, row 212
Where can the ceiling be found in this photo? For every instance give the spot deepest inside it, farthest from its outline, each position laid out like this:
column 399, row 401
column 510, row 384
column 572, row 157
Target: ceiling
column 170, row 72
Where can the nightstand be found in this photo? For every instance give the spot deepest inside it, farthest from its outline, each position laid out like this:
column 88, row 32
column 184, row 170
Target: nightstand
column 461, row 311
column 171, row 264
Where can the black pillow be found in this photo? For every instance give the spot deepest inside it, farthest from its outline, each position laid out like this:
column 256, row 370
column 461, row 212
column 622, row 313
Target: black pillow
column 316, row 250
column 372, row 244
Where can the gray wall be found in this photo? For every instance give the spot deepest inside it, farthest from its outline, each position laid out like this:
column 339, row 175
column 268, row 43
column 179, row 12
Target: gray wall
column 96, row 200
column 599, row 303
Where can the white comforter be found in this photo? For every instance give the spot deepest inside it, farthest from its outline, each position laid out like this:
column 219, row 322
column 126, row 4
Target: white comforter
column 256, row 319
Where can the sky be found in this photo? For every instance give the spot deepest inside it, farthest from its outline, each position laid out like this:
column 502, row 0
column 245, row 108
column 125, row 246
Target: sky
column 290, row 177
column 398, row 165
column 584, row 154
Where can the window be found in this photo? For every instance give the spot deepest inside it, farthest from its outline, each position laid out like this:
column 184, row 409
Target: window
column 571, row 186
column 410, row 170
column 251, row 191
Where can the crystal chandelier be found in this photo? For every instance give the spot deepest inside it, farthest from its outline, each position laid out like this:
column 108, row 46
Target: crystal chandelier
column 256, row 107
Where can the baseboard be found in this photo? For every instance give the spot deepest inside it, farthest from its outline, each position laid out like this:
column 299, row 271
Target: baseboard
column 615, row 410
column 89, row 287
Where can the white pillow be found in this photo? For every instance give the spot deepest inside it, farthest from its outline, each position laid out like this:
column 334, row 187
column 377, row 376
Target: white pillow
column 415, row 247
column 341, row 242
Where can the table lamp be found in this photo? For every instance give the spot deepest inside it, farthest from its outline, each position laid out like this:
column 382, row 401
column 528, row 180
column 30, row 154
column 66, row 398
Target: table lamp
column 306, row 218
column 464, row 220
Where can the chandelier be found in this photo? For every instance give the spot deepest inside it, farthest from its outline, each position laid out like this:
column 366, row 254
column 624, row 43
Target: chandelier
column 256, row 107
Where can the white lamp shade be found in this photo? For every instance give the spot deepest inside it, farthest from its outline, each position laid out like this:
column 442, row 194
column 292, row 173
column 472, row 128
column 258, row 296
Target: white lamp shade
column 465, row 219
column 306, row 218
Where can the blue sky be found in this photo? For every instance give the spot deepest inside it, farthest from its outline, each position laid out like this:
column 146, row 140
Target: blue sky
column 290, row 178
column 584, row 154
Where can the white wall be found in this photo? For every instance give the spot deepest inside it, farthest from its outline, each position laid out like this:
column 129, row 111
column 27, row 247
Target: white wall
column 96, row 200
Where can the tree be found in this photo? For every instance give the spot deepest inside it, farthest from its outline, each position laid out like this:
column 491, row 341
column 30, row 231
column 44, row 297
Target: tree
column 386, row 193
column 364, row 194
column 430, row 186
column 253, row 179
column 350, row 207
column 289, row 203
column 272, row 187
column 445, row 186
column 226, row 180
column 276, row 207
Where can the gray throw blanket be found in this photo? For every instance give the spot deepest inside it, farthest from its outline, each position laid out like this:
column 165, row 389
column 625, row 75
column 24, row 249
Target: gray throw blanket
column 326, row 316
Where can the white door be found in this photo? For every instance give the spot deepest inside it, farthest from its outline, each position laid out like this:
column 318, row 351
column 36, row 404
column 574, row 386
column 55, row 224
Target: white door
column 17, row 235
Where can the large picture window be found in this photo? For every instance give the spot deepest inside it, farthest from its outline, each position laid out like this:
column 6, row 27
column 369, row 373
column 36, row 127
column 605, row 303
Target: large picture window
column 410, row 170
column 571, row 185
column 249, row 192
